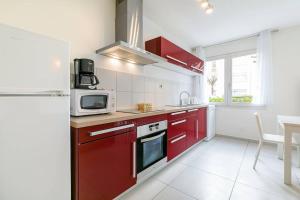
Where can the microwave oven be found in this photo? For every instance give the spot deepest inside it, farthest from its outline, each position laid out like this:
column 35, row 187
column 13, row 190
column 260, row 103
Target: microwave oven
column 92, row 102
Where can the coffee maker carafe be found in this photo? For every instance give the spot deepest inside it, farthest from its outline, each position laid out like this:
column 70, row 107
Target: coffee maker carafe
column 84, row 74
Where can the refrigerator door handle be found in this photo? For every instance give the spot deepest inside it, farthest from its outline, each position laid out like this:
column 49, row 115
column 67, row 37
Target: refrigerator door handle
column 46, row 93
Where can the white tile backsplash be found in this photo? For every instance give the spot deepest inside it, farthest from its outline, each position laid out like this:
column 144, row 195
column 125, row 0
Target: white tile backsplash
column 149, row 85
column 138, row 83
column 149, row 97
column 107, row 79
column 124, row 82
column 124, row 100
column 138, row 97
column 132, row 88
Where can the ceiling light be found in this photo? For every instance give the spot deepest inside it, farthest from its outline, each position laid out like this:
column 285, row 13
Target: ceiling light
column 209, row 9
column 204, row 4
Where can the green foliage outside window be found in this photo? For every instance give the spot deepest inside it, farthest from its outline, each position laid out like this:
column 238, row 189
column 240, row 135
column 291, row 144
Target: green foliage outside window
column 235, row 99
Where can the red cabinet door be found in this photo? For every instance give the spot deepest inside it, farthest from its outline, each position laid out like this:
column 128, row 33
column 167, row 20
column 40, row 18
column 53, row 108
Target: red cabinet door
column 174, row 54
column 191, row 129
column 105, row 167
column 176, row 145
column 202, row 120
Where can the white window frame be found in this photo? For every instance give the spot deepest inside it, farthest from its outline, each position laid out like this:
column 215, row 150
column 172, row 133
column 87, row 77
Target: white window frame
column 228, row 78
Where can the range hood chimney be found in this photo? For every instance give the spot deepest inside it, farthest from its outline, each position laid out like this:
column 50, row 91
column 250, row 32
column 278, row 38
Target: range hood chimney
column 129, row 35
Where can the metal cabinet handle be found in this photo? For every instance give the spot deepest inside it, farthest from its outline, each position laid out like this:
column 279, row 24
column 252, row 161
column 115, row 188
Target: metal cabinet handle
column 134, row 159
column 202, row 68
column 177, row 139
column 196, row 68
column 197, row 129
column 178, row 113
column 153, row 138
column 111, row 130
column 178, row 122
column 179, row 61
column 192, row 110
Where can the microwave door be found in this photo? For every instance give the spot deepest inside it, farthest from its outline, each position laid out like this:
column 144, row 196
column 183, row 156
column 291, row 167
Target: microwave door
column 94, row 102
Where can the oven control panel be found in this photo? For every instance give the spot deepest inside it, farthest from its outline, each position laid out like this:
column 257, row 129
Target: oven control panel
column 151, row 128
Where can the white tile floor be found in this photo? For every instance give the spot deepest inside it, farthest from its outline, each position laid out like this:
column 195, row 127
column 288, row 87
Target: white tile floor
column 220, row 170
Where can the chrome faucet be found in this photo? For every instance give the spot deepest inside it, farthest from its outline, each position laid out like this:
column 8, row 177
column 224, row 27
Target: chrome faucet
column 180, row 96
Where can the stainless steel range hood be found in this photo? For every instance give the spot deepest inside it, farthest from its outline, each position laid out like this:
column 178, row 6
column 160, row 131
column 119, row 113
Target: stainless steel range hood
column 129, row 35
column 128, row 53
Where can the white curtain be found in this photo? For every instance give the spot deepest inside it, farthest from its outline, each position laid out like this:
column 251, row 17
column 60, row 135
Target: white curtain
column 199, row 82
column 263, row 94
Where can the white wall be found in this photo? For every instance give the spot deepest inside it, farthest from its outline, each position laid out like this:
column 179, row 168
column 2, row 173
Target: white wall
column 239, row 121
column 153, row 30
column 86, row 24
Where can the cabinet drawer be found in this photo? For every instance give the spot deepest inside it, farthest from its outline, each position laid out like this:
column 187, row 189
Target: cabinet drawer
column 91, row 133
column 176, row 146
column 176, row 128
column 177, row 115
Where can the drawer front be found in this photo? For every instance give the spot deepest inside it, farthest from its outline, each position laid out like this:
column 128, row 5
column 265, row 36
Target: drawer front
column 177, row 127
column 176, row 146
column 177, row 115
column 92, row 133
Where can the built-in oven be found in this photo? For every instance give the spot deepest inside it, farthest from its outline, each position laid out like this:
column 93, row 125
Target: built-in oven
column 151, row 148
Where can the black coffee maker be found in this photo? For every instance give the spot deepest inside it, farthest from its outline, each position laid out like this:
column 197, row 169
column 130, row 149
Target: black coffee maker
column 84, row 74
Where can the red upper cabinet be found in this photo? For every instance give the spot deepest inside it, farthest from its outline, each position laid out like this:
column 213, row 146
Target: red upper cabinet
column 174, row 54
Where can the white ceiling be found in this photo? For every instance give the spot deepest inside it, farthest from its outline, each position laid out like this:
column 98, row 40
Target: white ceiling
column 231, row 19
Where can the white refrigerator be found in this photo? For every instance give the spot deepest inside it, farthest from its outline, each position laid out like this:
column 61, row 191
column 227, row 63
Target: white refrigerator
column 34, row 116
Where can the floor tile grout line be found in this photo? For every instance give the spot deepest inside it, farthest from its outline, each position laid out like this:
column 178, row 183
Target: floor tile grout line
column 183, row 192
column 186, row 166
column 211, row 173
column 244, row 156
column 166, row 186
column 170, row 186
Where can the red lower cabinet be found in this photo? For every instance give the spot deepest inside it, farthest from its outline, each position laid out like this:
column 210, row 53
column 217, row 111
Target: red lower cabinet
column 191, row 129
column 104, row 168
column 185, row 128
column 176, row 145
column 202, row 123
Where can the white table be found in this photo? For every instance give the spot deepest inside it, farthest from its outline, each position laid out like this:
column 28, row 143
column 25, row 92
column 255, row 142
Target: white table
column 291, row 125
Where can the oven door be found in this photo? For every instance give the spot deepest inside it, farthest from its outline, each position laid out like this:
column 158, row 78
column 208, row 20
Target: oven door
column 151, row 149
column 93, row 103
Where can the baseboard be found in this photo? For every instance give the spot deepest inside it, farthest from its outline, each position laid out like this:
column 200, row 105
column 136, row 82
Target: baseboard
column 248, row 140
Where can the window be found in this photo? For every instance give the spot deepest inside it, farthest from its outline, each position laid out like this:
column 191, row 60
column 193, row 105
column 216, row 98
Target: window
column 215, row 79
column 243, row 78
column 232, row 79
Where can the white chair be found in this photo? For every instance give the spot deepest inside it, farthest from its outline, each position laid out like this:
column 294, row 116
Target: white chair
column 270, row 138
